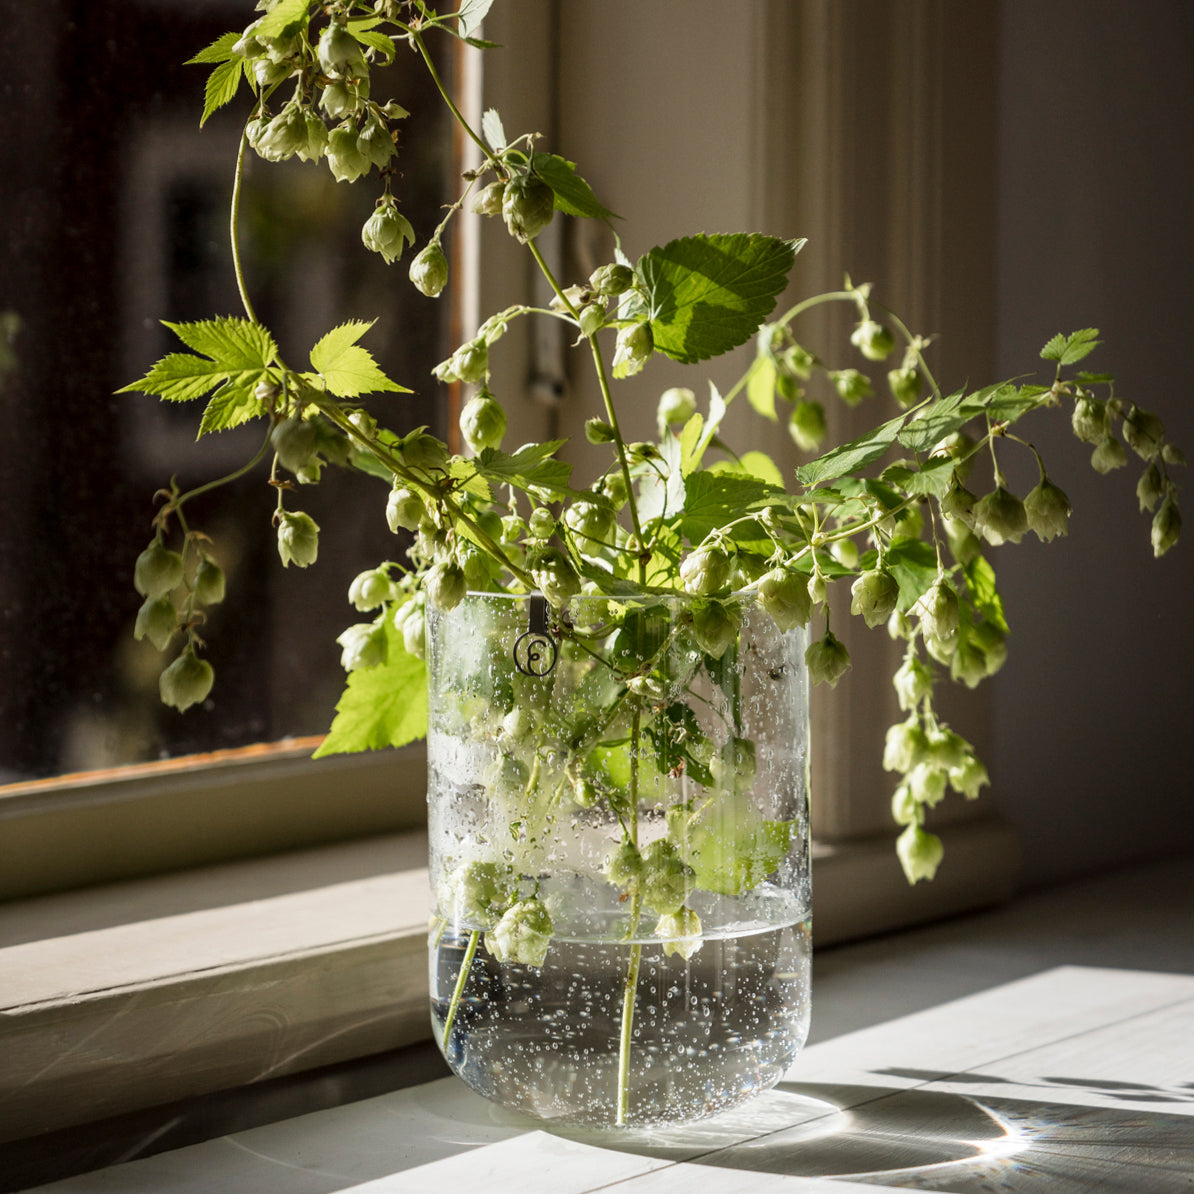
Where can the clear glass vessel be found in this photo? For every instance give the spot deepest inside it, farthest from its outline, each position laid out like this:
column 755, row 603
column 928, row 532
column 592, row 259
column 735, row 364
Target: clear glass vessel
column 619, row 853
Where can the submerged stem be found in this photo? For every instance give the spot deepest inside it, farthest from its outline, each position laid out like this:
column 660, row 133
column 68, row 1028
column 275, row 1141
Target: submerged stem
column 628, row 994
column 465, row 966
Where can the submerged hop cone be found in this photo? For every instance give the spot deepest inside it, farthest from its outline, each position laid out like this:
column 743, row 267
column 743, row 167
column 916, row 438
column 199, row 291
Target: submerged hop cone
column 522, row 935
column 681, row 933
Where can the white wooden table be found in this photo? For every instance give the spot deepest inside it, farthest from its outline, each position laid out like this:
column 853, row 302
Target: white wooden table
column 1076, row 1079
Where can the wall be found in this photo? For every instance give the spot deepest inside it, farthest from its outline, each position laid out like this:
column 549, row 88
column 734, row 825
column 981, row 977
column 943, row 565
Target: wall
column 1092, row 743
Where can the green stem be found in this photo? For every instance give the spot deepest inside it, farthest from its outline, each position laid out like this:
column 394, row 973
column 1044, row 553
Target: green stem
column 456, row 113
column 233, row 219
column 628, row 993
column 465, row 966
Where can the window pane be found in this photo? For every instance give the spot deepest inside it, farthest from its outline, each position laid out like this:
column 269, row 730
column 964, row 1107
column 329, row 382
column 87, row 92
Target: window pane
column 115, row 206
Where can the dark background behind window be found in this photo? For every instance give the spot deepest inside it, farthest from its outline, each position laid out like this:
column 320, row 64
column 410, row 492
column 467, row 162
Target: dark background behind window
column 115, row 210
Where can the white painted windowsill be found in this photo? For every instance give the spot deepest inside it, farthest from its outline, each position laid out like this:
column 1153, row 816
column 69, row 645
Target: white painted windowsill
column 118, row 998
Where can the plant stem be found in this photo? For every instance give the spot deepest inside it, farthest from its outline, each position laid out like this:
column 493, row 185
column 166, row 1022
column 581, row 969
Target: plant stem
column 232, row 230
column 465, row 966
column 628, row 993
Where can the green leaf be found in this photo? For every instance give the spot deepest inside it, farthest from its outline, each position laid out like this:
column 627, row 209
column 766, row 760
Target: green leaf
column 179, row 377
column 375, row 41
column 933, row 478
column 233, row 343
column 492, row 129
column 532, row 467
column 382, row 706
column 283, row 19
column 760, row 387
column 1067, row 350
column 233, row 404
column 347, row 369
column 913, row 563
column 573, row 196
column 471, row 14
column 221, row 86
column 849, row 458
column 220, row 50
column 661, row 489
column 984, row 596
column 708, row 294
column 760, row 465
column 713, row 499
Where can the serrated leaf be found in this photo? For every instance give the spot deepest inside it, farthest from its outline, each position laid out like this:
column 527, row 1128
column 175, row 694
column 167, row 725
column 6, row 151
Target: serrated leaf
column 492, row 129
column 849, row 458
column 662, row 486
column 382, row 706
column 573, row 196
column 220, row 50
column 532, row 467
column 375, row 40
column 234, row 343
column 1067, row 350
column 221, row 87
column 347, row 369
column 932, row 479
column 284, row 18
column 708, row 294
column 470, row 15
column 233, row 404
column 760, row 387
column 179, row 377
column 913, row 563
column 713, row 499
column 984, row 596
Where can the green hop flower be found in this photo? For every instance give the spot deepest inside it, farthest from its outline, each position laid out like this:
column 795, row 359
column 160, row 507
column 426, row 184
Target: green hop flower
column 938, row 610
column 284, row 135
column 296, row 442
column 1144, row 432
column 555, row 576
column 483, row 422
column 873, row 340
column 714, row 627
column 851, row 385
column 1108, row 455
column 469, row 363
column 913, row 682
column 208, row 585
column 624, row 866
column 959, row 504
column 1048, row 510
column 1000, row 517
column 905, row 384
column 598, row 431
column 542, row 524
column 904, row 745
column 364, row 646
column 592, row 522
column 783, row 593
column 404, row 509
column 445, row 584
column 676, row 406
column 926, row 783
column 414, row 630
column 807, row 425
column 633, row 348
column 1090, row 420
column 1150, row 489
column 592, row 319
column 157, row 570
column 666, row 879
column 346, row 161
column 523, row 934
column 371, row 589
column 489, row 199
column 387, row 231
column 680, row 932
column 611, row 280
column 903, row 805
column 298, row 539
column 157, row 620
column 317, row 137
column 528, row 204
column 339, row 52
column 423, row 452
column 186, row 682
column 478, row 892
column 706, row 570
column 968, row 777
column 376, row 143
column 1167, row 526
column 429, row 270
column 874, row 595
column 969, row 662
column 920, row 853
column 827, row 660
column 343, row 99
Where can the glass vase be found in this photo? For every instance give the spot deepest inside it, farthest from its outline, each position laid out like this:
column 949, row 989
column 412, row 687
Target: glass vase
column 618, row 816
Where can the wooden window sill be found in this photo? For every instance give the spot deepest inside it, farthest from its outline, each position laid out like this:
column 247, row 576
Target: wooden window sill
column 253, row 970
